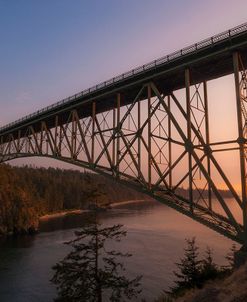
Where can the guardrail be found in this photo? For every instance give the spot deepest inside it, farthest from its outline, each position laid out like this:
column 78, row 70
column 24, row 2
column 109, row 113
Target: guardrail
column 149, row 66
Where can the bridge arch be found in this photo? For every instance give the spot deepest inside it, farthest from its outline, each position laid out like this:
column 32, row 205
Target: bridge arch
column 135, row 129
column 169, row 198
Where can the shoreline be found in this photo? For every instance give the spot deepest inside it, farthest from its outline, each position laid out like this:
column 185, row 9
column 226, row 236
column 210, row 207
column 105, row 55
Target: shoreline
column 35, row 229
column 62, row 213
column 116, row 204
column 80, row 211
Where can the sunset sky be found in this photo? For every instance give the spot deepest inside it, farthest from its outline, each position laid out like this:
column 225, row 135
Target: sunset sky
column 53, row 49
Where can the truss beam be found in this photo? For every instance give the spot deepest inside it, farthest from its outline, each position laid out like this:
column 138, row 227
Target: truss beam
column 145, row 146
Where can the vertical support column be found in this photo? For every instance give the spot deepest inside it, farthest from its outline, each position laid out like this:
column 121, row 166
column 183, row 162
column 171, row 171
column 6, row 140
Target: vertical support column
column 205, row 92
column 169, row 143
column 60, row 139
column 118, row 131
column 47, row 145
column 41, row 138
column 188, row 146
column 27, row 145
column 241, row 141
column 9, row 147
column 114, row 140
column 72, row 135
column 19, row 141
column 75, row 136
column 149, row 139
column 93, row 131
column 139, row 136
column 34, row 135
column 1, row 145
column 56, row 135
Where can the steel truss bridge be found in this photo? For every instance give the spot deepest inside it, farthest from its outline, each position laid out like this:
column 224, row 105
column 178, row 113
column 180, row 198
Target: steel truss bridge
column 137, row 129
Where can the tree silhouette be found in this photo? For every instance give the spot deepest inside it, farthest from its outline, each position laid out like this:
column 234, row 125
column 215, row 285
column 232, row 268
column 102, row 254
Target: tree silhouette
column 189, row 269
column 91, row 271
column 209, row 270
column 230, row 259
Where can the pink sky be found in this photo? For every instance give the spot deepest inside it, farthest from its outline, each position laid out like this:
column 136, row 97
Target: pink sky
column 50, row 51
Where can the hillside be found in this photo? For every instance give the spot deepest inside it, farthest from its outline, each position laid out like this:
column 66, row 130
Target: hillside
column 231, row 289
column 26, row 193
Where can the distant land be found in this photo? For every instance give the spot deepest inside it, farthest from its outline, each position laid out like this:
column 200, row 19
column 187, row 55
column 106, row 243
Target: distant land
column 27, row 193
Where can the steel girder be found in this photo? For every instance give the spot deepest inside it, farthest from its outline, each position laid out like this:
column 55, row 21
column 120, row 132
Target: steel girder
column 154, row 145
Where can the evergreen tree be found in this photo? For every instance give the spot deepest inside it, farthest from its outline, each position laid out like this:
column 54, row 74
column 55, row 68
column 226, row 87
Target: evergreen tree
column 209, row 269
column 26, row 193
column 189, row 269
column 230, row 258
column 193, row 272
column 91, row 271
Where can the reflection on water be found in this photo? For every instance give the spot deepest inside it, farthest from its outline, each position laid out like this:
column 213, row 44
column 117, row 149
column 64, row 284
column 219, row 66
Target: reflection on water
column 155, row 238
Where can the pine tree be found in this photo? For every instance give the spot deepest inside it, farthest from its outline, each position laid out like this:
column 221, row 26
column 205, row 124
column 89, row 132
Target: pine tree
column 230, row 258
column 91, row 271
column 193, row 272
column 189, row 269
column 209, row 269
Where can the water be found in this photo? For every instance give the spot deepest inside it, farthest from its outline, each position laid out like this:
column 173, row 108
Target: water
column 156, row 238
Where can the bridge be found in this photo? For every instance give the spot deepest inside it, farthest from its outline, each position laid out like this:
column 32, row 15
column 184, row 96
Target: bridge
column 136, row 129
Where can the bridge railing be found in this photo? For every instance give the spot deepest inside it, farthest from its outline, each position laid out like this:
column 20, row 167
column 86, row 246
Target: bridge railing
column 149, row 66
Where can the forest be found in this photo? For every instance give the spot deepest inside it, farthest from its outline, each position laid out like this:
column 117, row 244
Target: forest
column 27, row 192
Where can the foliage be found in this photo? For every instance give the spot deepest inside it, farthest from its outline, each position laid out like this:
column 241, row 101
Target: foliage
column 209, row 269
column 230, row 258
column 91, row 270
column 189, row 269
column 26, row 193
column 193, row 272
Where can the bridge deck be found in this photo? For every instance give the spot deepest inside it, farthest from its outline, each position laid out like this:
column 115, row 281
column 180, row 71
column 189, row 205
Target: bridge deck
column 207, row 60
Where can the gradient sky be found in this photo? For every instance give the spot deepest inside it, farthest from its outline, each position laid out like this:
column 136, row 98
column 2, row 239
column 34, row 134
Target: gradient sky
column 52, row 49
